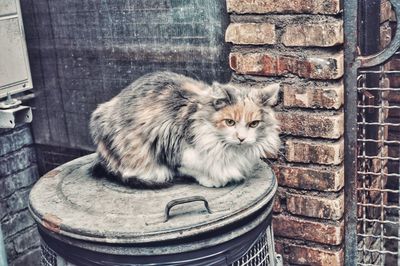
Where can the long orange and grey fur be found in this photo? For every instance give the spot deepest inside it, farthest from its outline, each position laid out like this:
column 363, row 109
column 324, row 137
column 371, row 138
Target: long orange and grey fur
column 165, row 124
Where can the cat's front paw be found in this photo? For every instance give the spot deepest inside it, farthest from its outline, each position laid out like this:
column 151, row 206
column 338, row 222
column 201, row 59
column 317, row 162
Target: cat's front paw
column 208, row 182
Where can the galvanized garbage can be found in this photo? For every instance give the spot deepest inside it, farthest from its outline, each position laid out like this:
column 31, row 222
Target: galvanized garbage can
column 84, row 220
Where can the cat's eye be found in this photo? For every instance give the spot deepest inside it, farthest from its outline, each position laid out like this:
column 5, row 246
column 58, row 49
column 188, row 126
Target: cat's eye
column 230, row 122
column 254, row 124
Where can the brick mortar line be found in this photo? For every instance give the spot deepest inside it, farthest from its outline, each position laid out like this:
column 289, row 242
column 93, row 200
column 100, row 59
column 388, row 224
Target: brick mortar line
column 13, row 131
column 284, row 19
column 287, row 136
column 312, row 166
column 280, row 48
column 20, row 171
column 331, row 195
column 8, row 217
column 248, row 80
column 317, row 111
column 19, row 255
column 283, row 160
column 318, row 140
column 312, row 219
column 10, row 154
column 332, row 222
column 31, row 248
column 314, row 110
column 17, row 150
column 20, row 232
column 21, row 189
column 8, row 131
column 310, row 244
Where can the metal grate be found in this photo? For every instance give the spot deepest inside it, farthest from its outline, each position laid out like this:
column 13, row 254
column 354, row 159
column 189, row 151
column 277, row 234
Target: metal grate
column 48, row 256
column 378, row 172
column 262, row 253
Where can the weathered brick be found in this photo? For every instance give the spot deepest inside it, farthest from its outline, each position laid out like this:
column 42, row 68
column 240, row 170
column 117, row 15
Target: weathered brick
column 16, row 223
column 31, row 258
column 313, row 96
column 315, row 178
column 323, row 66
column 385, row 38
column 316, row 206
column 3, row 209
column 15, row 139
column 309, row 124
column 297, row 228
column 395, row 112
column 278, row 199
column 11, row 183
column 17, row 201
column 303, row 255
column 386, row 11
column 322, row 34
column 27, row 240
column 394, row 83
column 272, row 6
column 309, row 151
column 17, row 161
column 250, row 33
column 10, row 250
column 394, row 63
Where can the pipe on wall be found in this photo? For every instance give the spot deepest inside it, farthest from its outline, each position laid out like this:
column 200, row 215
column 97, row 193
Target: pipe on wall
column 3, row 256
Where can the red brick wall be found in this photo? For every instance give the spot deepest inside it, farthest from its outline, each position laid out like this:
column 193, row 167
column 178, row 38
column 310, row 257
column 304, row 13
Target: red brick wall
column 299, row 44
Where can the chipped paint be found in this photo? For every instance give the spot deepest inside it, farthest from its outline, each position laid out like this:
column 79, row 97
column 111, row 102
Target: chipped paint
column 51, row 222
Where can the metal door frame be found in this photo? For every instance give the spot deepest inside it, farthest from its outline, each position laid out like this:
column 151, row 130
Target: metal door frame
column 353, row 62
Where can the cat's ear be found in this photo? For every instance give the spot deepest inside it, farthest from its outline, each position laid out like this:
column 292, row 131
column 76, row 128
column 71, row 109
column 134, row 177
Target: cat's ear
column 221, row 97
column 220, row 103
column 266, row 96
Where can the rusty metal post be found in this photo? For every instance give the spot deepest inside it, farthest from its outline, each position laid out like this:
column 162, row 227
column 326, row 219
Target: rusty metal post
column 350, row 109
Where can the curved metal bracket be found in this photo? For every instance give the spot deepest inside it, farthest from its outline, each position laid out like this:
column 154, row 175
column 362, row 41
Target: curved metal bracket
column 384, row 55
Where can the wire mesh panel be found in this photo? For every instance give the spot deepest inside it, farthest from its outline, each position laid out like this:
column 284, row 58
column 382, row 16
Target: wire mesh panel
column 378, row 172
column 374, row 209
column 48, row 256
column 262, row 253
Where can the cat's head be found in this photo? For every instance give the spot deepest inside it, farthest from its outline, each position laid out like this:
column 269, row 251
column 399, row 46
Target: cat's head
column 244, row 119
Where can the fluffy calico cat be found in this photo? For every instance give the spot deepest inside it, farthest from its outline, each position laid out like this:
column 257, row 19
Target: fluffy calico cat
column 165, row 124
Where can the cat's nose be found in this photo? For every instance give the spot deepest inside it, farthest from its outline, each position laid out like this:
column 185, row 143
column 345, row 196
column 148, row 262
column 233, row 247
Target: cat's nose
column 241, row 139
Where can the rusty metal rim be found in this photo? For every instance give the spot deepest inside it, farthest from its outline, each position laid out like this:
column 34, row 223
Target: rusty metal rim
column 167, row 248
column 125, row 238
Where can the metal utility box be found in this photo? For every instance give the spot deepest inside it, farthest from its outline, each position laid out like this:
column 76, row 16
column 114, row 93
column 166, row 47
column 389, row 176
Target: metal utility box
column 15, row 75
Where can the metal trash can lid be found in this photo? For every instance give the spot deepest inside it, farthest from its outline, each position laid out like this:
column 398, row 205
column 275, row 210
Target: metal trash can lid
column 70, row 202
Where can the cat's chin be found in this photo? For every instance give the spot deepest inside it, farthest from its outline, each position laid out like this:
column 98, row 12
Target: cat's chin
column 241, row 149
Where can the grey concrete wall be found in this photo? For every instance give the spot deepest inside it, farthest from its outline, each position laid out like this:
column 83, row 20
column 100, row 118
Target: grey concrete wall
column 18, row 173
